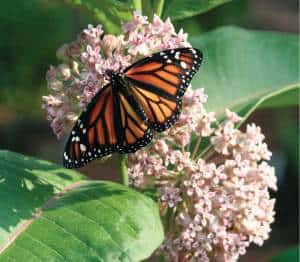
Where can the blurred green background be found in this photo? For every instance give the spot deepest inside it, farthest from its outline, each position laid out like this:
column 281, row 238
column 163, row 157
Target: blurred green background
column 32, row 30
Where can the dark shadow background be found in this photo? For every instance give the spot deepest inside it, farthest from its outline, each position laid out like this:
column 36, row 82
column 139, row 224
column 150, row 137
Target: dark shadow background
column 32, row 30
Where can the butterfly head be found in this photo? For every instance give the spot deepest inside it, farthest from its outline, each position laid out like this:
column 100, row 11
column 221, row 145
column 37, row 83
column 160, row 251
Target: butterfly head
column 115, row 78
column 112, row 75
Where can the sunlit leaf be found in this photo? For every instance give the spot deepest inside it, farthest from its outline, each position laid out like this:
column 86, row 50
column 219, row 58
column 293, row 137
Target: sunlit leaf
column 109, row 13
column 244, row 69
column 179, row 9
column 48, row 213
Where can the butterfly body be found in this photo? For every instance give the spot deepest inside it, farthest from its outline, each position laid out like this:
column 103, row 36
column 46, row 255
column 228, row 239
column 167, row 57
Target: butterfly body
column 122, row 116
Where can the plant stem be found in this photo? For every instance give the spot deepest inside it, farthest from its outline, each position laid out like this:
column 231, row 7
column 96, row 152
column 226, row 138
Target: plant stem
column 196, row 148
column 207, row 153
column 123, row 170
column 158, row 7
column 137, row 4
column 147, row 8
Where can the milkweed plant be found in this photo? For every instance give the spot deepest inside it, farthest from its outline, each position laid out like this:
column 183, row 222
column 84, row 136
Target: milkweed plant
column 213, row 202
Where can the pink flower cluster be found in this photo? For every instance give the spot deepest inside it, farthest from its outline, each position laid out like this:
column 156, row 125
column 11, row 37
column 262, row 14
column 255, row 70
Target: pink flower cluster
column 74, row 82
column 219, row 201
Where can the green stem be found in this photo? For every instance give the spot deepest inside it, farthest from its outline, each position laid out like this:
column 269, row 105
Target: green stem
column 123, row 170
column 196, row 148
column 147, row 8
column 137, row 4
column 167, row 219
column 158, row 7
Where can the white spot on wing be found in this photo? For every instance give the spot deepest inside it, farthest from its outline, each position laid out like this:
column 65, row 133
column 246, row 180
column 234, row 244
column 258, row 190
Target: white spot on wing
column 82, row 147
column 66, row 156
column 183, row 65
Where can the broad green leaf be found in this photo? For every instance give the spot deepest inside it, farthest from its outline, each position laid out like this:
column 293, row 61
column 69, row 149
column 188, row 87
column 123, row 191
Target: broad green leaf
column 25, row 185
column 48, row 213
column 245, row 69
column 179, row 9
column 289, row 255
column 110, row 13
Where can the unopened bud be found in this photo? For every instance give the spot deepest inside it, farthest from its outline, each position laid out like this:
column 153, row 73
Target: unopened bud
column 74, row 49
column 55, row 85
column 75, row 67
column 51, row 73
column 64, row 72
column 111, row 43
column 61, row 52
column 71, row 117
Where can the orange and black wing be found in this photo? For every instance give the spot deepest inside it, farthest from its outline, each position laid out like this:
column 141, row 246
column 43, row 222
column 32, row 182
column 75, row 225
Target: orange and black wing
column 158, row 82
column 112, row 122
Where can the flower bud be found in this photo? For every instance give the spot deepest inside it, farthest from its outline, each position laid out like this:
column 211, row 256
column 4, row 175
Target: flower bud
column 51, row 73
column 71, row 116
column 55, row 85
column 61, row 52
column 64, row 72
column 74, row 49
column 75, row 67
column 110, row 42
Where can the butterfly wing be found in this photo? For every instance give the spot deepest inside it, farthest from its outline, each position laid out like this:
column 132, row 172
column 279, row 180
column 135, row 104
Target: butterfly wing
column 158, row 82
column 134, row 123
column 112, row 122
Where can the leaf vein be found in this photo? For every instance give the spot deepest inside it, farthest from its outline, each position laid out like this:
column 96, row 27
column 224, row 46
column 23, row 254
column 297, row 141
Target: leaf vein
column 72, row 234
column 44, row 244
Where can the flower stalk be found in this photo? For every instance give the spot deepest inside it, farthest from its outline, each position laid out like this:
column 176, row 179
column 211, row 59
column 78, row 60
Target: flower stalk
column 137, row 5
column 196, row 148
column 123, row 169
column 158, row 7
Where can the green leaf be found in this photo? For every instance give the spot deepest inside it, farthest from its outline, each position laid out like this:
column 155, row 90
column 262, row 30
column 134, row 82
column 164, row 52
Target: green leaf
column 244, row 69
column 179, row 9
column 110, row 13
column 25, row 185
column 289, row 255
column 48, row 213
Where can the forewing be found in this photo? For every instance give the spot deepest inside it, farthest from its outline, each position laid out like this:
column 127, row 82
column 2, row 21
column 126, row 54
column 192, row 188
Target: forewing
column 158, row 83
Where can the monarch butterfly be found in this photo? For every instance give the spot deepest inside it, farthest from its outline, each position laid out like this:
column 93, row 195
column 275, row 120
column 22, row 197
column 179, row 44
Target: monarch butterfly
column 143, row 98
